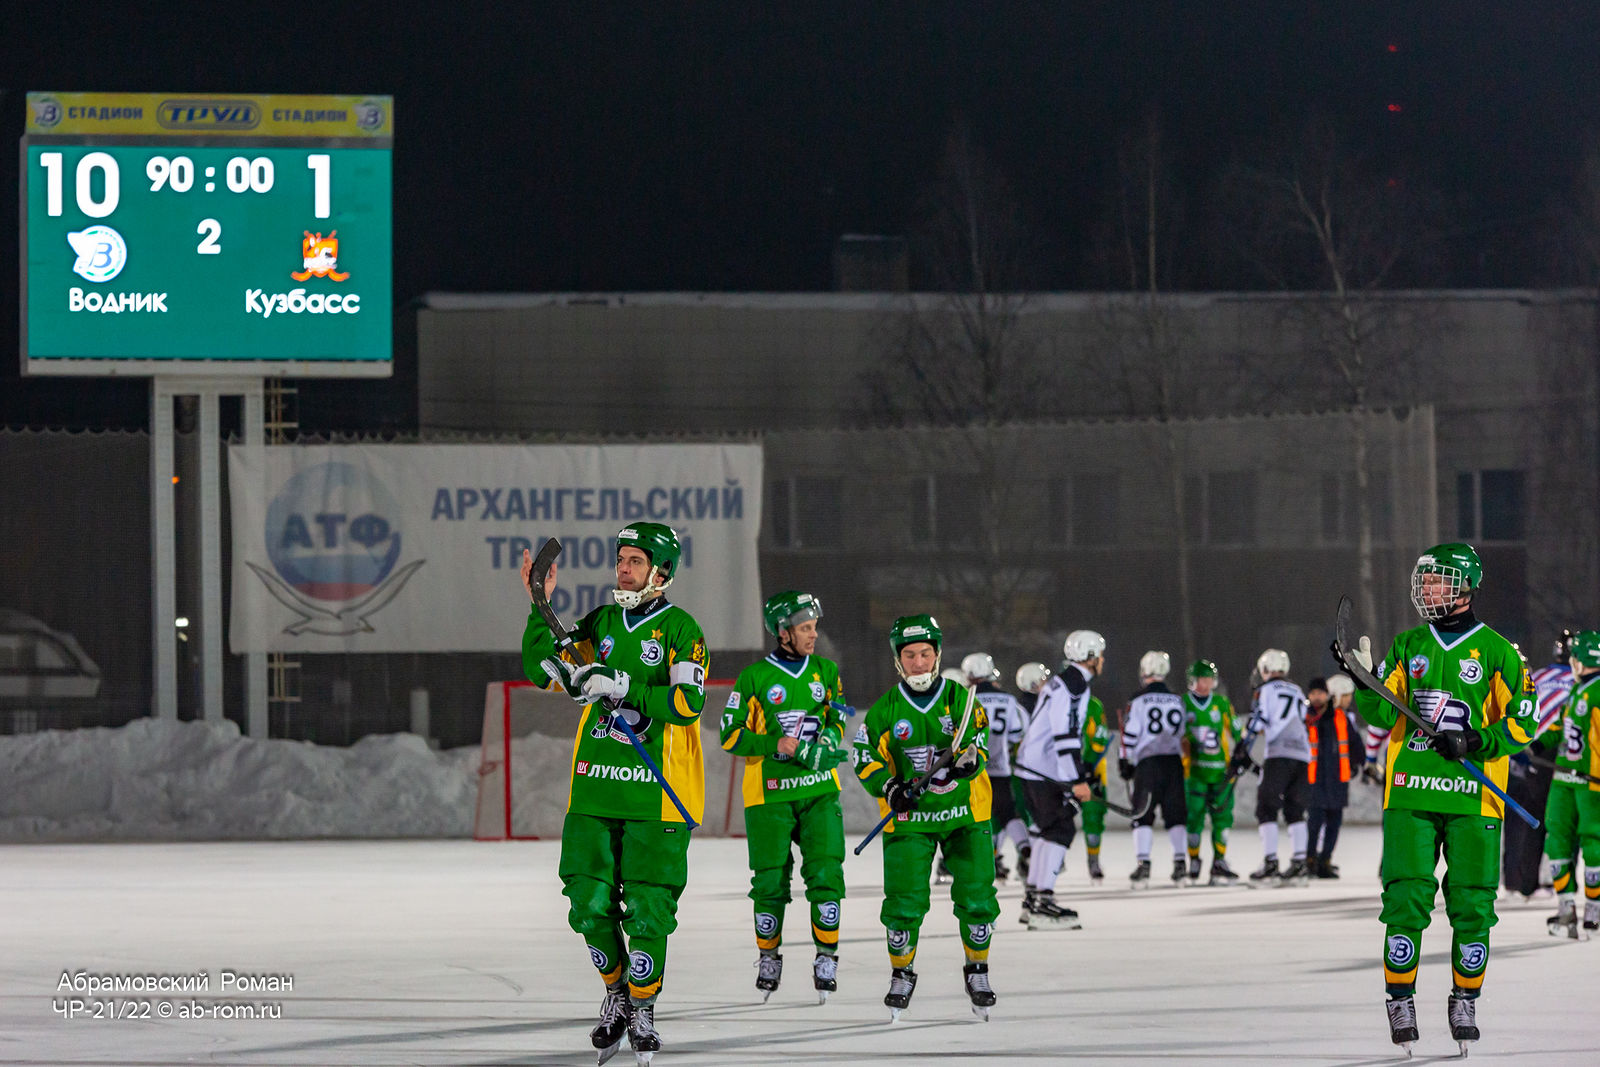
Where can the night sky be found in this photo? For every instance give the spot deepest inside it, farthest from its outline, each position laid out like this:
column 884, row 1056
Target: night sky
column 671, row 146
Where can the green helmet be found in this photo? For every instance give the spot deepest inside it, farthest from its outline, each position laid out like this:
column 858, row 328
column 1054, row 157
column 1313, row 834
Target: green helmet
column 1461, row 569
column 658, row 541
column 789, row 608
column 1202, row 668
column 909, row 629
column 1585, row 650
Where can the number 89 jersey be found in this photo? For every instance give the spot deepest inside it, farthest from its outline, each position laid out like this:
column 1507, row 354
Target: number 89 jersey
column 1155, row 724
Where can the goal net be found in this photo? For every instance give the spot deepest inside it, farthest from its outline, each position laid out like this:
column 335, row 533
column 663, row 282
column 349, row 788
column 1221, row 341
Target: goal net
column 525, row 764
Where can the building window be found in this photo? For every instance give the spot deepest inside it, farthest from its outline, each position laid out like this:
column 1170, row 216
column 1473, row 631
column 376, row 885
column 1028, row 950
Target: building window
column 1340, row 516
column 1491, row 505
column 1220, row 508
column 1094, row 509
column 804, row 512
column 956, row 511
column 920, row 509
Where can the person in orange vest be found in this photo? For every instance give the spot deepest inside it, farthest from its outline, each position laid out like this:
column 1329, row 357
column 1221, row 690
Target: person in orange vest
column 1337, row 756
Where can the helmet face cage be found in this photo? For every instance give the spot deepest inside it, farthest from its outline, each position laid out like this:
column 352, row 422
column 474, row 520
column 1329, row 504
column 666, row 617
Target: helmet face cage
column 1436, row 599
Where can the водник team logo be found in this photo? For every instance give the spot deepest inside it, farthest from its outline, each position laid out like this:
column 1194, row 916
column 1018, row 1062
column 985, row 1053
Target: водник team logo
column 1474, row 955
column 599, row 960
column 766, row 924
column 1402, row 952
column 333, row 543
column 640, row 964
column 320, row 257
column 101, row 251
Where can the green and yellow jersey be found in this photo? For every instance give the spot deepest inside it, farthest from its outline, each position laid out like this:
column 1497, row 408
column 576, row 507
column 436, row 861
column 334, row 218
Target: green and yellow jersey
column 1477, row 679
column 1210, row 732
column 663, row 651
column 904, row 734
column 776, row 698
column 1579, row 751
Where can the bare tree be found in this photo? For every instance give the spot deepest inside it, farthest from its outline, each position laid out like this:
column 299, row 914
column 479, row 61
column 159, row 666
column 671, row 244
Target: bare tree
column 1323, row 220
column 1143, row 344
column 960, row 356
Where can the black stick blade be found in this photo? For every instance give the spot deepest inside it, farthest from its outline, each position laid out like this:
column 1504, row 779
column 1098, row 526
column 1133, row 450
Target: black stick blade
column 544, row 560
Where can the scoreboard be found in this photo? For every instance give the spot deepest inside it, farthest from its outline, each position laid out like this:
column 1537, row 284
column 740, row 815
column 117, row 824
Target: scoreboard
column 214, row 235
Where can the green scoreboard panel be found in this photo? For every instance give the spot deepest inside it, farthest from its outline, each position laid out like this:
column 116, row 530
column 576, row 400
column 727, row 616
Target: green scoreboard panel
column 216, row 235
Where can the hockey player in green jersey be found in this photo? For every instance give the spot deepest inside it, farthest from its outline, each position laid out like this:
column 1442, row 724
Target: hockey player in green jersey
column 1572, row 814
column 1096, row 739
column 1473, row 685
column 780, row 718
column 624, row 846
column 1210, row 733
column 906, row 732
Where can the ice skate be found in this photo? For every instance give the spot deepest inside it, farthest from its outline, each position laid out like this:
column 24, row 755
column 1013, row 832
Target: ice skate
column 942, row 875
column 1002, row 873
column 1321, row 868
column 1028, row 897
column 642, row 1036
column 1297, row 873
column 1045, row 914
column 607, row 1033
column 1180, row 870
column 1096, row 875
column 769, row 972
column 1565, row 921
column 902, row 983
column 1463, row 1021
column 1591, row 918
column 1403, row 1022
column 1194, row 870
column 1140, row 878
column 1266, row 874
column 825, row 975
column 983, row 998
column 1221, row 873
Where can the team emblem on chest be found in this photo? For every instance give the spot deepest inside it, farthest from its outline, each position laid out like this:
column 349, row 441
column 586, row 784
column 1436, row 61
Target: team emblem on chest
column 819, row 692
column 902, row 730
column 650, row 652
column 777, row 695
column 1471, row 671
column 1418, row 666
column 607, row 643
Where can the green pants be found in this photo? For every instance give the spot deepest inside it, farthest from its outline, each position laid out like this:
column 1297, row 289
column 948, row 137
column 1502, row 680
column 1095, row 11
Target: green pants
column 1215, row 799
column 1412, row 844
column 772, row 830
column 624, row 876
column 1094, row 824
column 1572, row 821
column 908, row 863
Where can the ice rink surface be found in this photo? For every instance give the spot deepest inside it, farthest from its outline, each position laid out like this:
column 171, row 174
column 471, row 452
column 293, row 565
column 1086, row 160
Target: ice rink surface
column 458, row 952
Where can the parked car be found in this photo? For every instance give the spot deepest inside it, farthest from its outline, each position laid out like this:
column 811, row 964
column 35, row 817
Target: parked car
column 38, row 663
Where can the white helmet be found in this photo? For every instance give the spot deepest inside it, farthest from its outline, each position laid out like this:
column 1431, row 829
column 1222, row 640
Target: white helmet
column 1272, row 661
column 1340, row 685
column 955, row 674
column 1155, row 665
column 979, row 667
column 1083, row 646
column 1032, row 676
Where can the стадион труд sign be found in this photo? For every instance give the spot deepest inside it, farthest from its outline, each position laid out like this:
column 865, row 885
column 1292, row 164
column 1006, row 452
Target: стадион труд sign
column 174, row 251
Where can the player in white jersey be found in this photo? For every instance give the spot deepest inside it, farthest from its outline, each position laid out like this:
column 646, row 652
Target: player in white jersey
column 1049, row 762
column 1006, row 721
column 1151, row 757
column 1278, row 710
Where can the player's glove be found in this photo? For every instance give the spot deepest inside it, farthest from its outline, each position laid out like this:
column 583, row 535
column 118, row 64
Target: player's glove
column 819, row 755
column 1371, row 774
column 1456, row 744
column 1240, row 762
column 1361, row 655
column 566, row 676
column 600, row 682
column 966, row 764
column 901, row 795
column 1097, row 791
column 1125, row 768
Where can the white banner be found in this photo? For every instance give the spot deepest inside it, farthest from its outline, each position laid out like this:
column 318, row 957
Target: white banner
column 415, row 548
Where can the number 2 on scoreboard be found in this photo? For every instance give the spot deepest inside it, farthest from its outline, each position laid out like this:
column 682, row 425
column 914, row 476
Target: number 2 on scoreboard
column 211, row 230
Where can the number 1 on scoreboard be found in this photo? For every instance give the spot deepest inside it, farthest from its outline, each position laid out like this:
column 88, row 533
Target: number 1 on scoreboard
column 320, row 184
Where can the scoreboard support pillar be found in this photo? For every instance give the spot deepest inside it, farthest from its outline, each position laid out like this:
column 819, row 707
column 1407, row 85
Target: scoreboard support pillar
column 255, row 663
column 208, row 635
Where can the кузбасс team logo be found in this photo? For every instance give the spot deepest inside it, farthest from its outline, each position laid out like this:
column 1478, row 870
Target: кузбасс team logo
column 333, row 541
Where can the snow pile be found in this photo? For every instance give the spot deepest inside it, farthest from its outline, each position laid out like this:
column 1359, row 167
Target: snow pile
column 156, row 779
